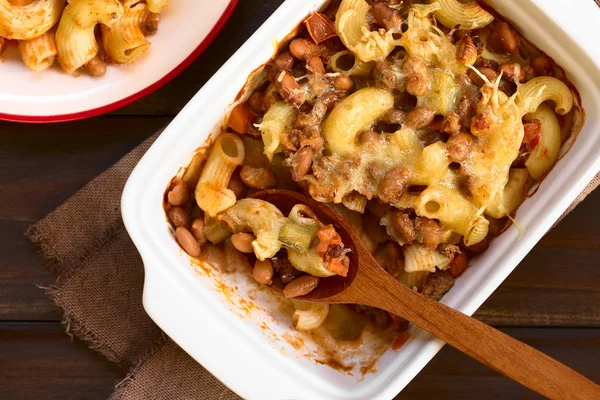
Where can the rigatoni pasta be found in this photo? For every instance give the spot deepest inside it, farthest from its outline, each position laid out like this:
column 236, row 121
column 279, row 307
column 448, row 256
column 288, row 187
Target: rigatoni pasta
column 38, row 53
column 66, row 31
column 424, row 124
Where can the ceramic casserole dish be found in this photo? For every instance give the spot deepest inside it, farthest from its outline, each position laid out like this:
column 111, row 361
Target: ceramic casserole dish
column 250, row 346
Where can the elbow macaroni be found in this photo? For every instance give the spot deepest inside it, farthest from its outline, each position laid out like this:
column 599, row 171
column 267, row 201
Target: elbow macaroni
column 75, row 39
column 30, row 21
column 124, row 41
column 462, row 14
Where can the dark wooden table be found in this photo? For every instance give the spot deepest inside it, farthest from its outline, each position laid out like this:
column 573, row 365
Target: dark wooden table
column 551, row 301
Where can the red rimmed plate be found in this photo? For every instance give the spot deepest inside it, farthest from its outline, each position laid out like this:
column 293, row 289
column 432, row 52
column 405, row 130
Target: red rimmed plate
column 187, row 28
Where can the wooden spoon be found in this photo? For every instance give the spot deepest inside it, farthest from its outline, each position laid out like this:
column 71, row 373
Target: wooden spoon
column 369, row 284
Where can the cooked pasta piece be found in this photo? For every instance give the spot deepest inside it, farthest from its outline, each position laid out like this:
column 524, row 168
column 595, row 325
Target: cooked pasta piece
column 545, row 154
column 507, row 201
column 462, row 14
column 75, row 39
column 38, row 53
column 30, row 21
column 277, row 122
column 261, row 218
column 212, row 194
column 419, row 258
column 454, row 211
column 340, row 62
column 309, row 262
column 352, row 26
column 533, row 93
column 156, row 6
column 309, row 315
column 354, row 114
column 124, row 41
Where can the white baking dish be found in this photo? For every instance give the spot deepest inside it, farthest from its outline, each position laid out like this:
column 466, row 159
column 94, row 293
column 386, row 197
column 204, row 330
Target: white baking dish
column 246, row 348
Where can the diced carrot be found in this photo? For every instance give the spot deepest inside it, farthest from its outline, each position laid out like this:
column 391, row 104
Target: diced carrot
column 327, row 237
column 400, row 340
column 533, row 133
column 458, row 265
column 240, row 118
column 320, row 27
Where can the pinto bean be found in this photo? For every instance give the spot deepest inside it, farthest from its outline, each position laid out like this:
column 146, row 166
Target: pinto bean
column 187, row 241
column 513, row 72
column 420, row 117
column 301, row 163
column 417, row 79
column 459, row 146
column 503, row 39
column 489, row 73
column 150, row 23
column 393, row 184
column 243, row 242
column 315, row 65
column 263, row 272
column 386, row 17
column 428, row 232
column 542, row 66
column 301, row 286
column 303, row 49
column 368, row 137
column 257, row 178
column 179, row 195
column 198, row 231
column 451, row 124
column 178, row 217
column 96, row 66
column 343, row 82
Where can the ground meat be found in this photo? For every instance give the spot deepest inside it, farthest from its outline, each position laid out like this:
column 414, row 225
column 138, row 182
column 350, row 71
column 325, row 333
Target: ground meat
column 283, row 62
column 437, row 285
column 484, row 62
column 393, row 185
column 387, row 75
column 428, row 232
column 379, row 317
column 285, row 269
column 449, row 250
column 399, row 226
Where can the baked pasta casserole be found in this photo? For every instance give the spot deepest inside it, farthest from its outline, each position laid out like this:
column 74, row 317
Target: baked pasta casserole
column 425, row 124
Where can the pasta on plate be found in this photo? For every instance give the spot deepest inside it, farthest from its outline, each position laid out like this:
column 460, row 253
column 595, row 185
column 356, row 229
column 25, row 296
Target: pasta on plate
column 425, row 124
column 65, row 31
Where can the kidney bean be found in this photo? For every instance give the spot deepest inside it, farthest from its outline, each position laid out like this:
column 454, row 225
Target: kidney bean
column 459, row 146
column 302, row 162
column 257, row 178
column 343, row 82
column 542, row 66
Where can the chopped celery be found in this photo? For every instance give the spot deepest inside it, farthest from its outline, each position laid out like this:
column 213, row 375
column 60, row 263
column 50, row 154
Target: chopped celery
column 297, row 236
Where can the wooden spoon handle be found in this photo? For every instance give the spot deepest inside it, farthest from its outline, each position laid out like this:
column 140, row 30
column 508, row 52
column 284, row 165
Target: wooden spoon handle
column 489, row 346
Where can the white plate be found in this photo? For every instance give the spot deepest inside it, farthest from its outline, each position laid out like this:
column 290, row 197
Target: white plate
column 251, row 350
column 187, row 27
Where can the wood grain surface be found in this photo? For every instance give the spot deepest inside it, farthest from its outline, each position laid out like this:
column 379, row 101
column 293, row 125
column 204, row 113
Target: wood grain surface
column 551, row 301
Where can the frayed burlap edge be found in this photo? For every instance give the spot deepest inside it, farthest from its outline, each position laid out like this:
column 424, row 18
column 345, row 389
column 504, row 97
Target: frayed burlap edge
column 73, row 327
column 122, row 387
